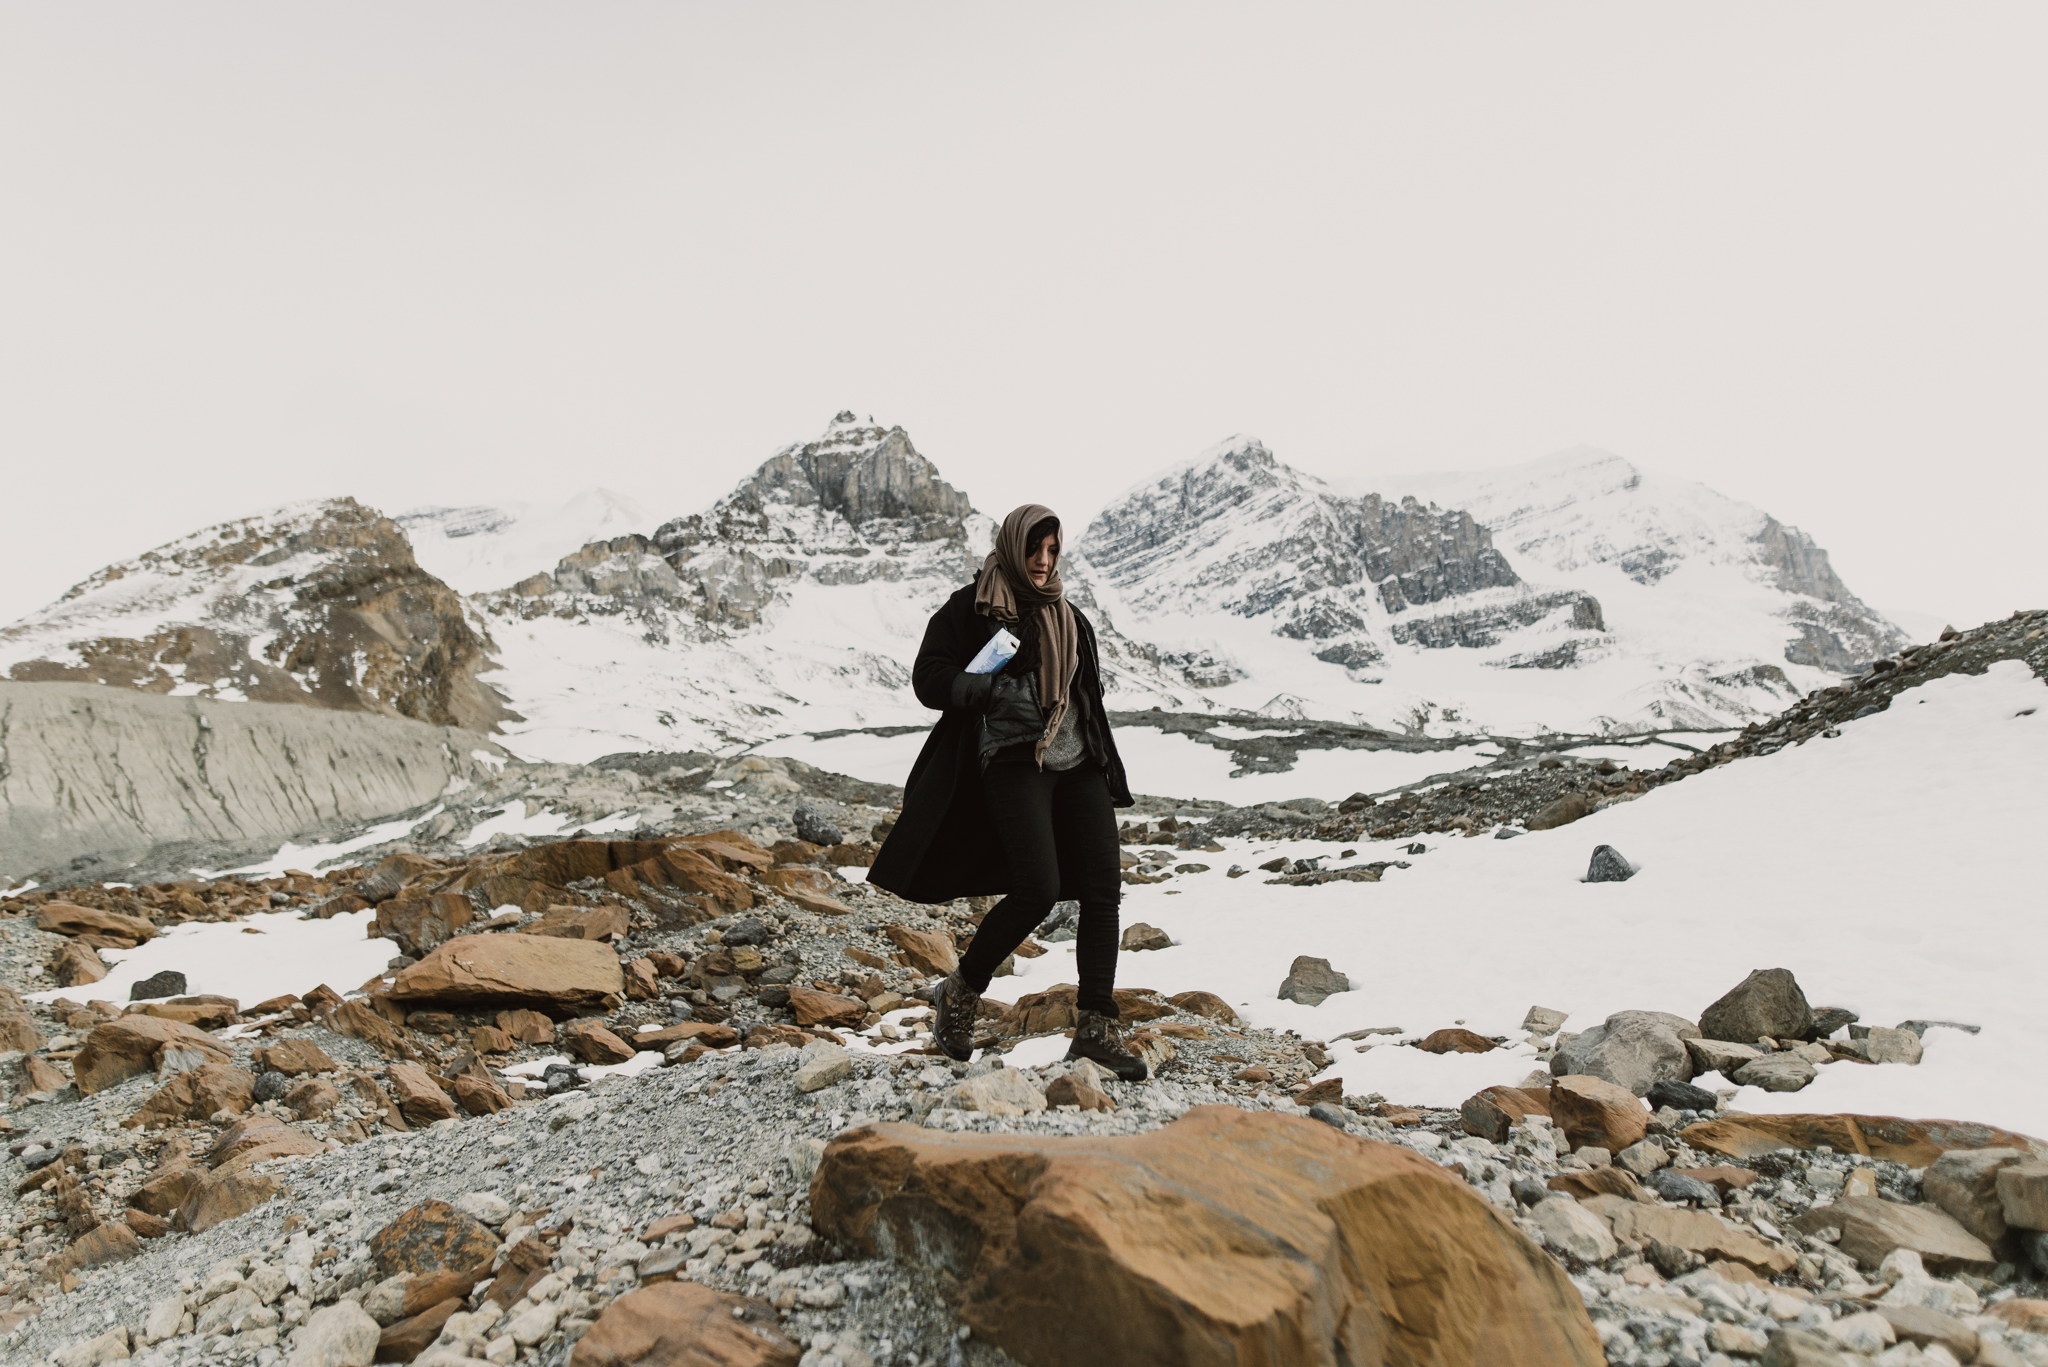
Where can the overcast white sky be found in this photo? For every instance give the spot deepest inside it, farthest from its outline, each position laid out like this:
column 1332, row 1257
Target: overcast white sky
column 458, row 252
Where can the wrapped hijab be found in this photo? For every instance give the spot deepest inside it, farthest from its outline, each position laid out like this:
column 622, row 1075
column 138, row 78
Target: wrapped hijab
column 1005, row 592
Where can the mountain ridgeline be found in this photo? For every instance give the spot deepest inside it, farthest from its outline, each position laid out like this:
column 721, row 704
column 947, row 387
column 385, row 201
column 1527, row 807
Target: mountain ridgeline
column 1230, row 583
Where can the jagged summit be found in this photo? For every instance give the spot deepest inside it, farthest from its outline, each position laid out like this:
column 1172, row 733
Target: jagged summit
column 1588, row 512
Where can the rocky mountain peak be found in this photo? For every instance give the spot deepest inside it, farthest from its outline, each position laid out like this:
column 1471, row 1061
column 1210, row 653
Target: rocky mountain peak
column 318, row 603
column 859, row 471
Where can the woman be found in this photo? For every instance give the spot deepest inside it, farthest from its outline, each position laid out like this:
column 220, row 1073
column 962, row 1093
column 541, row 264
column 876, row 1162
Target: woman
column 1014, row 790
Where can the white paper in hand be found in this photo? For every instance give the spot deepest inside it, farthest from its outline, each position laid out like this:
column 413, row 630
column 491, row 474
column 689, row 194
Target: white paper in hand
column 995, row 654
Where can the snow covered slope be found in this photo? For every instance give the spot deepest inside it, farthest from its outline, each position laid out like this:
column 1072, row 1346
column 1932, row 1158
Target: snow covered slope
column 482, row 547
column 1573, row 593
column 1910, row 829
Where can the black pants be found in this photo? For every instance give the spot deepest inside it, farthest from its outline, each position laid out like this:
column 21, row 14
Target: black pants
column 1056, row 827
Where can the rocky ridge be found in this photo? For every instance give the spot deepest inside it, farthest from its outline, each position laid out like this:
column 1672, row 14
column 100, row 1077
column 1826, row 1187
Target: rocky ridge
column 318, row 603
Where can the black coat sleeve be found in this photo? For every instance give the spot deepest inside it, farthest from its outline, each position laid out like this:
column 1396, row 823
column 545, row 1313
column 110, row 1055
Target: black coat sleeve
column 950, row 641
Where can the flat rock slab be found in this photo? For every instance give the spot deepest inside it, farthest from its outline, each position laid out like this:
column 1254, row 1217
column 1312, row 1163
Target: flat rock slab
column 1696, row 1231
column 122, row 1048
column 1226, row 1237
column 1872, row 1227
column 685, row 1323
column 1915, row 1143
column 561, row 976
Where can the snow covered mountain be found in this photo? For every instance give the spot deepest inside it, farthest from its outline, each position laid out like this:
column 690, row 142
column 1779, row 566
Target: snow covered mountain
column 319, row 603
column 481, row 547
column 795, row 603
column 1571, row 593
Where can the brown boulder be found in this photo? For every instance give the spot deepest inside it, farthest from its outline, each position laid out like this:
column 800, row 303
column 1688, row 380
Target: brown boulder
column 2025, row 1313
column 419, row 1099
column 223, row 1197
column 204, row 1015
column 195, row 1094
column 1964, row 1182
column 403, row 1340
column 432, row 1236
column 17, row 1028
column 817, row 903
column 38, row 1074
column 312, row 1098
column 373, row 1098
column 710, row 1034
column 75, row 964
column 489, row 1039
column 1491, row 1112
column 295, row 1058
column 1586, row 1183
column 62, row 918
column 1226, row 1237
column 355, row 1020
column 1455, row 1041
column 1057, row 1008
column 1204, row 1004
column 262, row 1135
column 124, row 1047
column 1915, row 1143
column 147, row 1226
column 813, row 1007
column 1562, row 812
column 1593, row 1111
column 929, row 952
column 1329, row 1089
column 479, row 1095
column 1721, row 1178
column 417, row 924
column 667, row 964
column 642, row 982
column 527, row 1027
column 111, row 1242
column 173, row 1185
column 788, row 880
column 560, row 976
column 581, row 923
column 1872, row 1227
column 592, row 1043
column 2023, row 1194
column 1069, row 1090
column 685, row 1324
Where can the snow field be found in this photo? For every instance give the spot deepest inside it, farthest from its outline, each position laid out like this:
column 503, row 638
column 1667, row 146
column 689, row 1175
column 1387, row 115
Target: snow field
column 1892, row 870
column 251, row 960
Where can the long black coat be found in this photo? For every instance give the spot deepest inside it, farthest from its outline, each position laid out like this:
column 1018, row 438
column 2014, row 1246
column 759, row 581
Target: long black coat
column 944, row 845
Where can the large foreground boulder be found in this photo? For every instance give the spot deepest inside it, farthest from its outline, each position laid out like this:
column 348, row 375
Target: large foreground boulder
column 1632, row 1049
column 560, row 976
column 1227, row 1237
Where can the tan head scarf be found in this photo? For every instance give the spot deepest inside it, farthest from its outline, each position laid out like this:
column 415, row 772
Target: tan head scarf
column 1005, row 592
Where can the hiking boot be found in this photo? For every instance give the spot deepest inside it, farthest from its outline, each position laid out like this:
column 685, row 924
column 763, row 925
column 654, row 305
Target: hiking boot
column 1096, row 1037
column 955, row 1008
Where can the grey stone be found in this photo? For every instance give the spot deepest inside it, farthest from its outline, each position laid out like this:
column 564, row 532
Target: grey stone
column 1828, row 1019
column 1608, row 866
column 1681, row 1096
column 815, row 826
column 1643, row 1157
column 1528, row 1190
column 1541, row 1020
column 748, row 930
column 1310, row 981
column 828, row 1065
column 1063, row 922
column 1570, row 1228
column 1329, row 1115
column 271, row 1086
column 1632, row 1049
column 1508, row 833
column 168, row 983
column 1767, row 1002
column 1891, row 1046
column 1676, row 1186
column 1777, row 1073
column 1921, row 1028
column 340, row 1335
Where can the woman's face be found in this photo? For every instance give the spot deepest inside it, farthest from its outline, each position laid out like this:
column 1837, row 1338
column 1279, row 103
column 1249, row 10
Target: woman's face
column 1043, row 557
